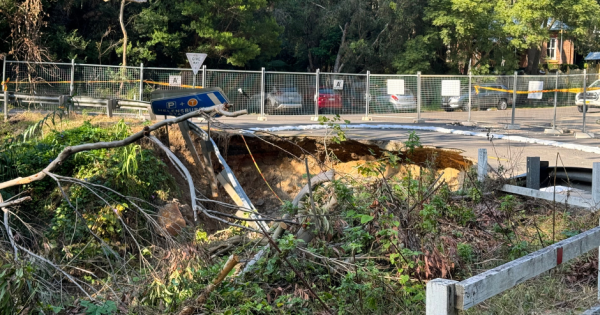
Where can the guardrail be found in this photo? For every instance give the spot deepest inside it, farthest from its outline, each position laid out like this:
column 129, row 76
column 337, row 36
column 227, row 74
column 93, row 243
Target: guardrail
column 446, row 297
column 66, row 101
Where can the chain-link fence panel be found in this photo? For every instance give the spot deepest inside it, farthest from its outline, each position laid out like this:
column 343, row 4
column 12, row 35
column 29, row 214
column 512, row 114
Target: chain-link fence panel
column 242, row 88
column 40, row 79
column 169, row 79
column 393, row 96
column 441, row 97
column 491, row 98
column 290, row 93
column 107, row 82
column 342, row 93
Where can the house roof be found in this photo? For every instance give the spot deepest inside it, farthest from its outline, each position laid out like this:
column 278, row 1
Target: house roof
column 593, row 56
column 558, row 25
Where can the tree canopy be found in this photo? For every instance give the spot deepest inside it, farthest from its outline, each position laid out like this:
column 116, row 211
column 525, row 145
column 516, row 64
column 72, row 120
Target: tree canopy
column 383, row 36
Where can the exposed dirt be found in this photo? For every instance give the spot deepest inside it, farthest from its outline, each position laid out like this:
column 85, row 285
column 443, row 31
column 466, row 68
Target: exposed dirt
column 286, row 174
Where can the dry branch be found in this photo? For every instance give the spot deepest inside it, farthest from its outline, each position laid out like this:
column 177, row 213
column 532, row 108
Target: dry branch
column 68, row 151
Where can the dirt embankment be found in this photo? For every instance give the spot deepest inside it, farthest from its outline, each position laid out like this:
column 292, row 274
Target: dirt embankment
column 278, row 161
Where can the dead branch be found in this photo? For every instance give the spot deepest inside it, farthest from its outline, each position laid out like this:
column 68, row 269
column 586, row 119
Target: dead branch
column 14, row 202
column 68, row 151
column 6, row 225
column 231, row 262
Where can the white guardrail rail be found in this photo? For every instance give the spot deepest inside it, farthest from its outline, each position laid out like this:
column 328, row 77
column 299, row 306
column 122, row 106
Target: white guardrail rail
column 446, row 297
column 81, row 101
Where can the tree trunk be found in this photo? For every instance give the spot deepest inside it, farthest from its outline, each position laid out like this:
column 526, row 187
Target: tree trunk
column 124, row 33
column 337, row 67
column 533, row 60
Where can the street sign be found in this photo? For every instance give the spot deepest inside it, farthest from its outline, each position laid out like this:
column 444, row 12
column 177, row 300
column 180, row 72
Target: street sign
column 338, row 84
column 535, row 86
column 196, row 60
column 450, row 87
column 181, row 102
column 395, row 87
column 174, row 80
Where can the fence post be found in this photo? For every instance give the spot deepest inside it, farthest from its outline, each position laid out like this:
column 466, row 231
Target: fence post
column 316, row 117
column 514, row 104
column 141, row 81
column 584, row 97
column 554, row 130
column 596, row 184
column 440, row 297
column 367, row 96
column 5, row 106
column 482, row 165
column 262, row 116
column 72, row 86
column 204, row 76
column 4, row 85
column 109, row 107
column 419, row 120
column 470, row 89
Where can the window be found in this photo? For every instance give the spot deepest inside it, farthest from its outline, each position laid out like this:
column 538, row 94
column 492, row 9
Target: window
column 551, row 53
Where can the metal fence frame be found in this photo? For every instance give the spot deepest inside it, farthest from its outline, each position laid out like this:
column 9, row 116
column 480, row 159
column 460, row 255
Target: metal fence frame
column 362, row 94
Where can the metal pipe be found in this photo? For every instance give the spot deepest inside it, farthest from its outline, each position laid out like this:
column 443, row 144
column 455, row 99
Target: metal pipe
column 555, row 100
column 368, row 93
column 514, row 102
column 419, row 100
column 203, row 76
column 584, row 98
column 470, row 89
column 317, row 93
column 72, row 85
column 262, row 92
column 141, row 81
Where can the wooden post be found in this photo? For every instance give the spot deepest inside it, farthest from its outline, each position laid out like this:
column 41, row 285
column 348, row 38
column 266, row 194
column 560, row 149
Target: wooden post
column 533, row 172
column 482, row 165
column 440, row 296
column 109, row 108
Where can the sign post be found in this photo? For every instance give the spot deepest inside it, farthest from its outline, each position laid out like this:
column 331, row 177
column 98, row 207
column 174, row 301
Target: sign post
column 196, row 60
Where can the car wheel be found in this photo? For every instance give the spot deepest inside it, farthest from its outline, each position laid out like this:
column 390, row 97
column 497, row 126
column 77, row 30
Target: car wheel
column 580, row 109
column 465, row 108
column 502, row 105
column 448, row 109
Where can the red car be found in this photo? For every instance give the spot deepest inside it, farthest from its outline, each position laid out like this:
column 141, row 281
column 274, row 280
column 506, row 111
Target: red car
column 329, row 100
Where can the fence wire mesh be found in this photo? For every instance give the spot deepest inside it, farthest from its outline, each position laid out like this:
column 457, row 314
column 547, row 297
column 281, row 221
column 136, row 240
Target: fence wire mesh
column 242, row 88
column 442, row 97
column 290, row 93
column 393, row 95
column 342, row 94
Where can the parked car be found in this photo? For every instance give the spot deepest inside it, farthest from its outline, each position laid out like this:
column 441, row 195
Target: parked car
column 354, row 97
column 592, row 97
column 280, row 98
column 328, row 100
column 399, row 102
column 481, row 98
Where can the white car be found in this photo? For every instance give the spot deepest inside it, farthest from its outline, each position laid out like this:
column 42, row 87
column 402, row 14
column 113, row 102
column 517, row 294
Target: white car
column 400, row 102
column 592, row 97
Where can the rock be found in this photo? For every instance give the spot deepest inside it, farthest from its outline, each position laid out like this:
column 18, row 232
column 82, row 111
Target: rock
column 170, row 218
column 259, row 202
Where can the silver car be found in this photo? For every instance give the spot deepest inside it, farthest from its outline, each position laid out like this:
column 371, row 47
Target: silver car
column 592, row 97
column 400, row 102
column 283, row 98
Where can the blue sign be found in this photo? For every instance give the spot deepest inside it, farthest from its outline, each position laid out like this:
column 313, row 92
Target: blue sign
column 181, row 102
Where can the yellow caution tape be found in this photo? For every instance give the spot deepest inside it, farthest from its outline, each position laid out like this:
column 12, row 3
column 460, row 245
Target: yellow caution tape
column 572, row 90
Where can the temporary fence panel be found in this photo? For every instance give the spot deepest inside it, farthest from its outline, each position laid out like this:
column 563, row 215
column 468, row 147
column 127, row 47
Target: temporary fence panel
column 393, row 96
column 241, row 87
column 169, row 79
column 290, row 93
column 491, row 99
column 51, row 79
column 341, row 93
column 438, row 95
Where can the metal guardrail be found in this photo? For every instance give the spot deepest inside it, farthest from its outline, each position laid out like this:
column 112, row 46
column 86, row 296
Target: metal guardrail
column 67, row 102
column 446, row 297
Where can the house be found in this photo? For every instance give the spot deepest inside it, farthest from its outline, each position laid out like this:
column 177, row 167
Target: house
column 559, row 49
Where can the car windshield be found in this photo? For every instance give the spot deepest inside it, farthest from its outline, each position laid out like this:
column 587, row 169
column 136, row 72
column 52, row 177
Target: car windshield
column 595, row 84
column 325, row 91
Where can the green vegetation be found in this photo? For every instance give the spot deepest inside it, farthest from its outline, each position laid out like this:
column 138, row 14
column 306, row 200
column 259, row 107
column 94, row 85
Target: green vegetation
column 378, row 238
